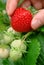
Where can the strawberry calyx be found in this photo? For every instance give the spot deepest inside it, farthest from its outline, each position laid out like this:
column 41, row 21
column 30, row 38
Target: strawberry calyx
column 32, row 10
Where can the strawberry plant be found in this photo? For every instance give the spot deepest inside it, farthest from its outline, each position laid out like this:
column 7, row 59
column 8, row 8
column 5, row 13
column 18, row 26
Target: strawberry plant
column 25, row 47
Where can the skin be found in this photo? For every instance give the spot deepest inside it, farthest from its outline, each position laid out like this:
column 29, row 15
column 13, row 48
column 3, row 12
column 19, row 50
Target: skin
column 38, row 19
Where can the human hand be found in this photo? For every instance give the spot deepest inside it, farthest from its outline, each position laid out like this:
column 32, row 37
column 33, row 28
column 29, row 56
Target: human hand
column 38, row 19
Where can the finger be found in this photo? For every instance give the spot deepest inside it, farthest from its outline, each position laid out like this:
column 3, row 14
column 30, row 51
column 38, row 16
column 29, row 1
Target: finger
column 38, row 20
column 11, row 6
column 26, row 4
column 37, row 4
column 43, row 3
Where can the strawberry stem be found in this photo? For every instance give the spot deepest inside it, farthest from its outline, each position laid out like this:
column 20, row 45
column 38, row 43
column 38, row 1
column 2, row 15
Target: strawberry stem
column 26, row 35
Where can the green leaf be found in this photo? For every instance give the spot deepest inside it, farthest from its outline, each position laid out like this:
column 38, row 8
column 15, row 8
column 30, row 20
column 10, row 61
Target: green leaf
column 8, row 62
column 4, row 21
column 4, row 17
column 41, row 56
column 1, row 62
column 33, row 52
column 41, row 29
column 2, row 5
column 2, row 26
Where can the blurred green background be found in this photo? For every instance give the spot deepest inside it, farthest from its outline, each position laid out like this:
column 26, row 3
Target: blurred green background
column 4, row 19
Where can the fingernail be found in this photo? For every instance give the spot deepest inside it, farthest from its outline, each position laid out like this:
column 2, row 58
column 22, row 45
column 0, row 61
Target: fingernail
column 36, row 24
column 38, row 5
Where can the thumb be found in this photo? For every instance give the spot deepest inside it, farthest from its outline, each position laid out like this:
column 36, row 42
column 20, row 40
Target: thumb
column 38, row 20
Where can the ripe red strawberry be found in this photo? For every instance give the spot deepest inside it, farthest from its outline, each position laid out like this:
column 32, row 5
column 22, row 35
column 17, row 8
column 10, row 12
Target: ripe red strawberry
column 21, row 20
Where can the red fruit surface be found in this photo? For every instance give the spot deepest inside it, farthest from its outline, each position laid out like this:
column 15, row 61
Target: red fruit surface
column 21, row 20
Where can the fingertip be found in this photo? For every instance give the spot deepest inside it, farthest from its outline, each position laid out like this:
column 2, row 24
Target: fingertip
column 37, row 20
column 38, row 5
column 7, row 6
column 26, row 4
column 11, row 6
column 35, row 24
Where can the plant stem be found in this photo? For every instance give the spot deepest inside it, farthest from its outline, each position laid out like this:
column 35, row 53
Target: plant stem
column 26, row 35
